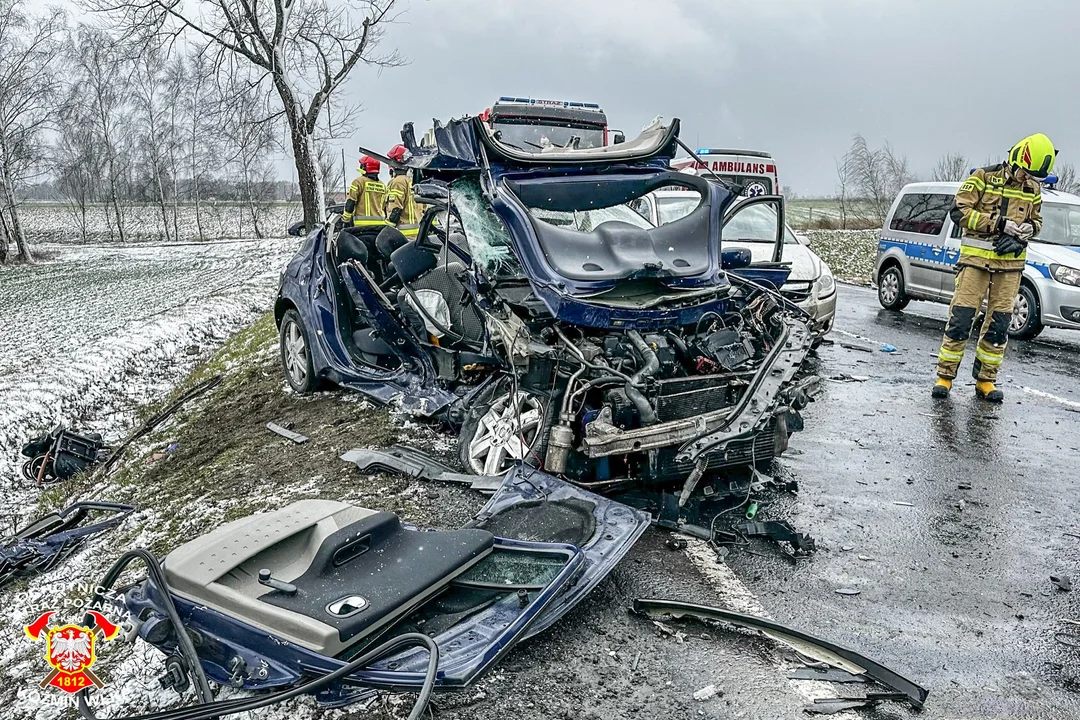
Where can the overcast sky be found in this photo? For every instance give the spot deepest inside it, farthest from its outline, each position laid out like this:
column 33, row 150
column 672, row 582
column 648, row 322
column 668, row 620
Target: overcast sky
column 794, row 77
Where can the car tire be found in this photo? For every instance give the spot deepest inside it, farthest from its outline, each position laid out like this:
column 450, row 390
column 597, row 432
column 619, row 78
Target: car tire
column 891, row 293
column 492, row 417
column 296, row 354
column 1026, row 322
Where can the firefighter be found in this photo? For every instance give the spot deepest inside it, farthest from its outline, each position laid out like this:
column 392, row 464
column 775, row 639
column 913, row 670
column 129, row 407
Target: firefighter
column 401, row 208
column 997, row 208
column 367, row 197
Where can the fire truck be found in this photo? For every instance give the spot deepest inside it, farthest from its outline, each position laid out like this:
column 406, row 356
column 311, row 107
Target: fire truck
column 754, row 170
column 533, row 124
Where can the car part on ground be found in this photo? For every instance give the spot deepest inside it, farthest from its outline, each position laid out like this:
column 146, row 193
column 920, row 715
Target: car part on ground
column 44, row 543
column 60, row 454
column 417, row 464
column 286, row 433
column 834, row 655
column 303, row 591
column 536, row 316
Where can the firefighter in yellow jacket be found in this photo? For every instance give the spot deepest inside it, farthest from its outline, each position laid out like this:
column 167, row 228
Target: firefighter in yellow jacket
column 401, row 207
column 997, row 208
column 367, row 197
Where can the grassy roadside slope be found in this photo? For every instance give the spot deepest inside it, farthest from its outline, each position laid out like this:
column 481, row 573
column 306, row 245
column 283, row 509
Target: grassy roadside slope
column 225, row 465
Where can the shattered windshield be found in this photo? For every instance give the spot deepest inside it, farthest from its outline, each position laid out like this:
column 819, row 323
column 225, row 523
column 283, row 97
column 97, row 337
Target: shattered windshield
column 1061, row 224
column 532, row 137
column 487, row 237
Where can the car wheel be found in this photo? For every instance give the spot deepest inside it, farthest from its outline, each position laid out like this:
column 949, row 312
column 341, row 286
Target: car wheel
column 510, row 428
column 890, row 290
column 296, row 354
column 1025, row 323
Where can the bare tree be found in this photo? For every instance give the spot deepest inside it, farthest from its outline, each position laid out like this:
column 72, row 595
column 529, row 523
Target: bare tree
column 100, row 81
column 876, row 175
column 28, row 87
column 843, row 189
column 304, row 50
column 330, row 170
column 1067, row 180
column 249, row 137
column 154, row 136
column 950, row 167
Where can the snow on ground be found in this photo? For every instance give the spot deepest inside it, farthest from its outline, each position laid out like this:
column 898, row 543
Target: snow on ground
column 849, row 253
column 98, row 330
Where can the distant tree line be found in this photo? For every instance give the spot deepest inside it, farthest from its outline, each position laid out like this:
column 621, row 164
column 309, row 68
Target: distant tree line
column 868, row 179
column 173, row 104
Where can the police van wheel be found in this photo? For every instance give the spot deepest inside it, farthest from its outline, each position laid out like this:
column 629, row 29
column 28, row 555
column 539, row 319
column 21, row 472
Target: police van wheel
column 1025, row 323
column 890, row 290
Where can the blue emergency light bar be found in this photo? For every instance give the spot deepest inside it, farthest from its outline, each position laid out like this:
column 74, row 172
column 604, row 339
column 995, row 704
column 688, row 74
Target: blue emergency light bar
column 564, row 103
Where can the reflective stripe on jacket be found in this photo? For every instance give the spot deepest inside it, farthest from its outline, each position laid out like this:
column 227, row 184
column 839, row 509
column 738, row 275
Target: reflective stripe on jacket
column 365, row 203
column 986, row 197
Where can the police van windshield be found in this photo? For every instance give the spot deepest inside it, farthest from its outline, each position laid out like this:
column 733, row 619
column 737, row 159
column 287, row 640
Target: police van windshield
column 529, row 136
column 1061, row 224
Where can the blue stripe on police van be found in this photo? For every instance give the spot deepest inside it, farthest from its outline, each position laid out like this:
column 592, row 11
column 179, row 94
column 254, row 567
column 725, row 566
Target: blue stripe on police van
column 944, row 256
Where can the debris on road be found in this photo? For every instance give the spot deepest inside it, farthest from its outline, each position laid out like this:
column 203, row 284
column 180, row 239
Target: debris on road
column 676, row 543
column 853, row 346
column 844, row 377
column 707, row 692
column 835, row 655
column 668, row 631
column 903, row 503
column 826, row 675
column 44, row 543
column 847, row 591
column 1064, row 582
column 888, row 348
column 286, row 433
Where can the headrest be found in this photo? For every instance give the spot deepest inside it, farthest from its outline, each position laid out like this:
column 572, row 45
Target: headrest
column 350, row 247
column 410, row 261
column 389, row 240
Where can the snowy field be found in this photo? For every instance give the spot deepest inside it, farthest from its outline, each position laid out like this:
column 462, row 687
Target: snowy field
column 56, row 223
column 98, row 330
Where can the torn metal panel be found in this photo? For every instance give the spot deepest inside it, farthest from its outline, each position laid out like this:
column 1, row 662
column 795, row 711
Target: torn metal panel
column 822, row 649
column 417, row 464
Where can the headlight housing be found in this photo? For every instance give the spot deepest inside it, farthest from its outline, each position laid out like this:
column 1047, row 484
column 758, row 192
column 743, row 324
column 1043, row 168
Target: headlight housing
column 1065, row 274
column 825, row 284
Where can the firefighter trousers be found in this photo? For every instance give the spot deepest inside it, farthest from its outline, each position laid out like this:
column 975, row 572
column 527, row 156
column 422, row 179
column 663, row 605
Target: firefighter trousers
column 972, row 285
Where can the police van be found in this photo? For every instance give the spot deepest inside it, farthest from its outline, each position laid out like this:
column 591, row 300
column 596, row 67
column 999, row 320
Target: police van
column 920, row 245
column 753, row 170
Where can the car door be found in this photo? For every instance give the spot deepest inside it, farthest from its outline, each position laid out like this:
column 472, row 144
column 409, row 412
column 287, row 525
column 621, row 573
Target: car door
column 758, row 222
column 919, row 223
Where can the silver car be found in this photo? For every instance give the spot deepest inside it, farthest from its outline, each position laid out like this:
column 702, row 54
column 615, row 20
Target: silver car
column 811, row 285
column 920, row 244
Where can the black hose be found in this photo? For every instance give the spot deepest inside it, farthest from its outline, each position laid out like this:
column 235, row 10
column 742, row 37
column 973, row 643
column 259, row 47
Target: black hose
column 209, row 708
column 648, row 370
column 157, row 577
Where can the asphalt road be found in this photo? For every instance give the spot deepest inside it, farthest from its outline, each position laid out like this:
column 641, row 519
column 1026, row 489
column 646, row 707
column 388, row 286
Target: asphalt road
column 954, row 588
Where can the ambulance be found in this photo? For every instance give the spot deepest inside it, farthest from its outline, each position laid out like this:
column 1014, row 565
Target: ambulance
column 753, row 170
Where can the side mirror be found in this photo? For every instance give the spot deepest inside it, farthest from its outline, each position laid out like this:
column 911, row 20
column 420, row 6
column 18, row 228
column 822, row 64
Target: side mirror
column 735, row 259
column 297, row 229
column 618, row 137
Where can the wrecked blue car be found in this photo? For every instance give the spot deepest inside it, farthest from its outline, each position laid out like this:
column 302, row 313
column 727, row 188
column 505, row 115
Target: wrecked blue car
column 550, row 324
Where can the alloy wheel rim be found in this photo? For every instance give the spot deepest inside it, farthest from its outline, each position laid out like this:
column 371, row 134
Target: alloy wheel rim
column 505, row 433
column 295, row 355
column 890, row 287
column 1021, row 312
